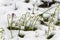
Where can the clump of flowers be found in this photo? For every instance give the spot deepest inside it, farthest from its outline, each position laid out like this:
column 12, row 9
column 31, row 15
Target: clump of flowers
column 27, row 21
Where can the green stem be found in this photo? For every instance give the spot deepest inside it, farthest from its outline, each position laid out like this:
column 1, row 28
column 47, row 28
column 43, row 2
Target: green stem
column 8, row 20
column 11, row 27
column 56, row 8
column 34, row 7
column 53, row 16
column 19, row 31
column 48, row 30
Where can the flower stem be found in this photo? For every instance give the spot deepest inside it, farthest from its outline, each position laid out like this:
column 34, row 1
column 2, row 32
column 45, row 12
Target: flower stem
column 51, row 20
column 11, row 27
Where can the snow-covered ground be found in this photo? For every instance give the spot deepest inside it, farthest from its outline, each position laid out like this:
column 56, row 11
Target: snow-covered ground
column 8, row 7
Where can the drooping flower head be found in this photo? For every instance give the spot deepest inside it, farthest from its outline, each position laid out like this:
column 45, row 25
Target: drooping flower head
column 13, row 14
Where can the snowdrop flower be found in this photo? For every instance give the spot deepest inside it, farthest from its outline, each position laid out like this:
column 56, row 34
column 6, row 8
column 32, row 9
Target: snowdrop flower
column 11, row 21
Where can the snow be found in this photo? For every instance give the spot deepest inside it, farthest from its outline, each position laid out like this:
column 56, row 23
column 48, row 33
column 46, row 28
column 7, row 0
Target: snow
column 39, row 34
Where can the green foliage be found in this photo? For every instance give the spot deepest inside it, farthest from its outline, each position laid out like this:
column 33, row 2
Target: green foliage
column 30, row 28
column 13, row 28
column 58, row 24
column 27, row 28
column 41, row 15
